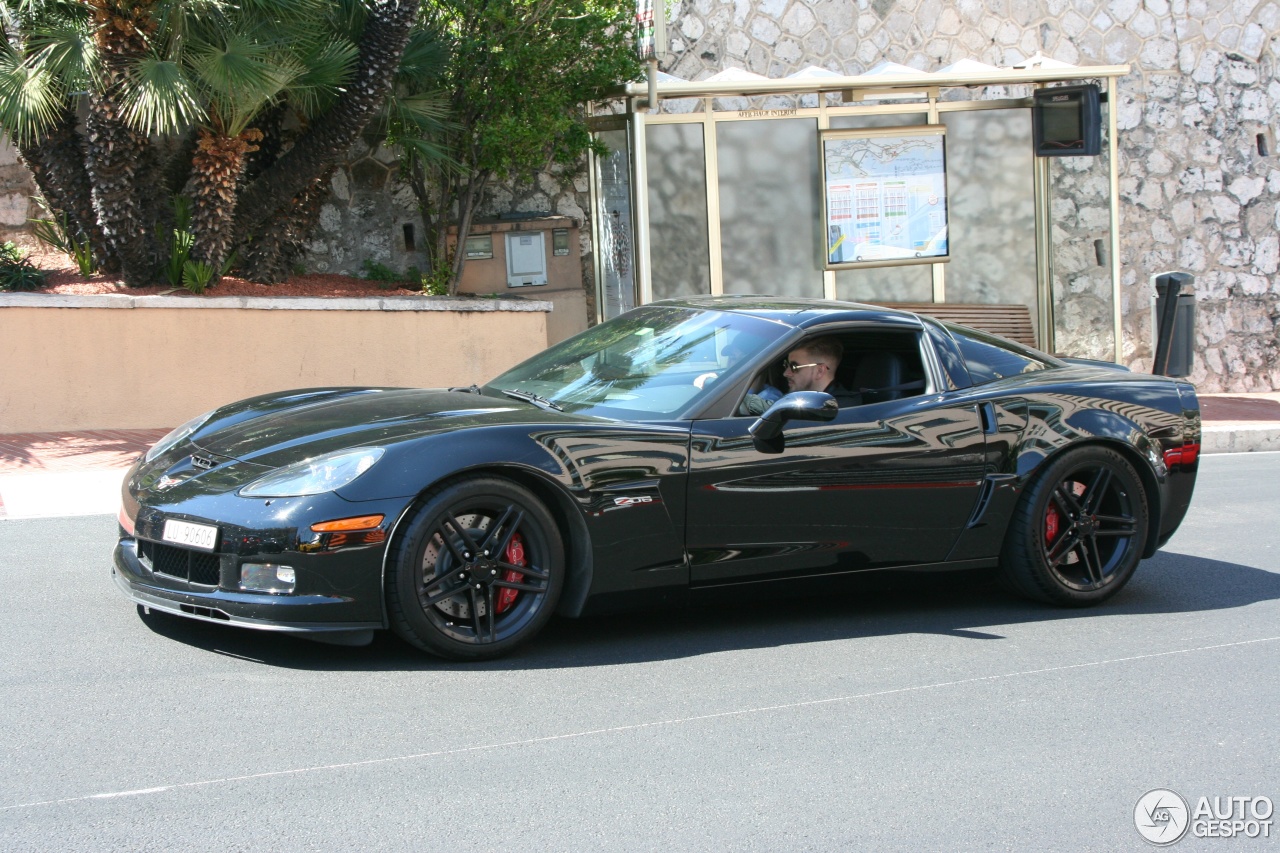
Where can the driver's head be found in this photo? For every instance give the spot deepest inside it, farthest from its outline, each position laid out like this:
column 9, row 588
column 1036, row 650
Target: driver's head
column 812, row 366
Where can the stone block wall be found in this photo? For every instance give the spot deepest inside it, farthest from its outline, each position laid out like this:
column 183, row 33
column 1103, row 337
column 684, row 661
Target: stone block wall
column 369, row 206
column 16, row 189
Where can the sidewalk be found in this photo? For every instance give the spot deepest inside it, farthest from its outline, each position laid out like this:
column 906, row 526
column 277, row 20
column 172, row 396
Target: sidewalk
column 79, row 473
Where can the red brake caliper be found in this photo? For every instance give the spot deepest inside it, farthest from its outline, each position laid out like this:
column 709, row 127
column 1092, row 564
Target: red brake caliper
column 1051, row 522
column 514, row 555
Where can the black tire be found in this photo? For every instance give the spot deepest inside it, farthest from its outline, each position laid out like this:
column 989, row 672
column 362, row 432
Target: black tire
column 450, row 569
column 1078, row 531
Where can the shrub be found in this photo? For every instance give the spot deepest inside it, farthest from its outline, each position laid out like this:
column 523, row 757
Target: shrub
column 196, row 276
column 16, row 271
column 56, row 233
column 180, row 242
column 374, row 271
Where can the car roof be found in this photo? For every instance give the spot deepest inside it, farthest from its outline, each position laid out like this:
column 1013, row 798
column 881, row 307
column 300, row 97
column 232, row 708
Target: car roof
column 798, row 312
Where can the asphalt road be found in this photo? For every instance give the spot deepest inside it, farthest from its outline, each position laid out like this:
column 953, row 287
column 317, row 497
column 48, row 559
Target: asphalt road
column 933, row 713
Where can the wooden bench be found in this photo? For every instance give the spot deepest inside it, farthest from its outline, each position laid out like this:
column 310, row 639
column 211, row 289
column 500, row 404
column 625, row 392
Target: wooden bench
column 1007, row 321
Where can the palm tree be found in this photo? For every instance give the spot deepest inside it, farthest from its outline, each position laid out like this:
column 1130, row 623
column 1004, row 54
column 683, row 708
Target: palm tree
column 38, row 113
column 206, row 72
column 288, row 183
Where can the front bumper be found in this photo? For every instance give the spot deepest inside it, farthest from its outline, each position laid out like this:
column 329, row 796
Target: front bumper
column 302, row 614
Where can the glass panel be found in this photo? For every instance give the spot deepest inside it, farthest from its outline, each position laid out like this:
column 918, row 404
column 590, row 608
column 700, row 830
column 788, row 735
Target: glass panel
column 480, row 246
column 991, row 180
column 617, row 259
column 990, row 358
column 769, row 207
column 1082, row 304
column 654, row 363
column 909, row 283
column 677, row 210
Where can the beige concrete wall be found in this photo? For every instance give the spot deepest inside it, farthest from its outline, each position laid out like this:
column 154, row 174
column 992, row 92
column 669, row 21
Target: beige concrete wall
column 94, row 367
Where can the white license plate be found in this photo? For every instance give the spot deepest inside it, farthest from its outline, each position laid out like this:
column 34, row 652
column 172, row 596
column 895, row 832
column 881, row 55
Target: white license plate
column 202, row 536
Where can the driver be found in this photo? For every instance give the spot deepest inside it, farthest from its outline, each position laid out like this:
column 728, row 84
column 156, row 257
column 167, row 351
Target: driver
column 812, row 367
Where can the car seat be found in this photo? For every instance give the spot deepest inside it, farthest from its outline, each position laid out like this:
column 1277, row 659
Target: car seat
column 881, row 376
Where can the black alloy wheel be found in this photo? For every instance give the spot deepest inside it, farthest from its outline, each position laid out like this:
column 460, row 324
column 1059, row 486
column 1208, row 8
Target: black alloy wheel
column 1078, row 531
column 477, row 571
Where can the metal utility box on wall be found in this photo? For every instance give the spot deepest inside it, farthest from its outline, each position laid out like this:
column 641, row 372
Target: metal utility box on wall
column 537, row 256
column 526, row 258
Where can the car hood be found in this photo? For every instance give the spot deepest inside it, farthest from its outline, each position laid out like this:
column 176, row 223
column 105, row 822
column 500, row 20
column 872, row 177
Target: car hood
column 280, row 429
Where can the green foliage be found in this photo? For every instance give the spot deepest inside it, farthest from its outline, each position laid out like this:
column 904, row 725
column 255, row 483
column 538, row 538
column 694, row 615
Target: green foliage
column 176, row 70
column 389, row 279
column 374, row 271
column 517, row 77
column 17, row 271
column 521, row 71
column 436, row 282
column 196, row 276
column 56, row 233
column 180, row 242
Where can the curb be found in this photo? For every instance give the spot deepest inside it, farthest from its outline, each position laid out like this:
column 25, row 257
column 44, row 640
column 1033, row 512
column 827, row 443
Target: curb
column 1239, row 437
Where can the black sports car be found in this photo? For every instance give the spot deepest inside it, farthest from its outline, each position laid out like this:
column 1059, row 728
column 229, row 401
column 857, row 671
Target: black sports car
column 655, row 454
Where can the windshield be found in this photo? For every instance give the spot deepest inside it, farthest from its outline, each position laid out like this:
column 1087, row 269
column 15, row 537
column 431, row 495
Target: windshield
column 651, row 363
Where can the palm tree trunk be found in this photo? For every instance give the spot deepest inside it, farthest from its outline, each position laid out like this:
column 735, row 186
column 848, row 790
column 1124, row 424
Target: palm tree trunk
column 117, row 157
column 270, row 256
column 56, row 162
column 382, row 43
column 215, row 172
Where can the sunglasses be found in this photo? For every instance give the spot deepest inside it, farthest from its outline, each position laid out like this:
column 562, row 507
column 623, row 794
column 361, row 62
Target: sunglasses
column 792, row 367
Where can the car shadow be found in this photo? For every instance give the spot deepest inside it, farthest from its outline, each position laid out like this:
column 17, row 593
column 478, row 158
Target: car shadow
column 957, row 604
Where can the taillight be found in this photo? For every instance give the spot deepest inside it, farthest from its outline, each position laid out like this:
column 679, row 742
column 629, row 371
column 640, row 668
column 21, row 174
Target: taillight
column 1187, row 454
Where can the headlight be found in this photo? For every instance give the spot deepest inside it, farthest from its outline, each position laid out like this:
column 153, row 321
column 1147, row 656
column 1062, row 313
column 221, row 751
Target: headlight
column 177, row 435
column 315, row 476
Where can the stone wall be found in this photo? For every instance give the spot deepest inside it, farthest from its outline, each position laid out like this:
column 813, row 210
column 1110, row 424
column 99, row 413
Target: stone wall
column 16, row 189
column 369, row 206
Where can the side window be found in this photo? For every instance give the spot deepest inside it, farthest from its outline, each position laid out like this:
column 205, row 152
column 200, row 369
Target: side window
column 990, row 358
column 957, row 374
column 882, row 365
column 874, row 366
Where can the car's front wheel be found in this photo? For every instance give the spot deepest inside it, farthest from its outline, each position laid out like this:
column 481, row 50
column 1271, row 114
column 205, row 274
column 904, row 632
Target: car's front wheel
column 477, row 571
column 1078, row 531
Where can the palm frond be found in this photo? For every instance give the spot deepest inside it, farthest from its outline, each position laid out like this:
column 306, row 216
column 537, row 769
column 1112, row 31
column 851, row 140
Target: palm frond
column 181, row 22
column 30, row 97
column 347, row 16
column 242, row 69
column 430, row 152
column 424, row 58
column 425, row 113
column 284, row 10
column 242, row 76
column 67, row 49
column 327, row 65
column 161, row 97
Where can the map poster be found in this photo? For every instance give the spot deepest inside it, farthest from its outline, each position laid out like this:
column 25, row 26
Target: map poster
column 885, row 195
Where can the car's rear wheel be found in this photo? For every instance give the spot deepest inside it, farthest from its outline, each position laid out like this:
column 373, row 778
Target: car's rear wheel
column 1078, row 531
column 477, row 571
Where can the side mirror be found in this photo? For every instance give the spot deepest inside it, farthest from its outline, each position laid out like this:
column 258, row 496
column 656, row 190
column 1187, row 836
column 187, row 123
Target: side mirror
column 766, row 432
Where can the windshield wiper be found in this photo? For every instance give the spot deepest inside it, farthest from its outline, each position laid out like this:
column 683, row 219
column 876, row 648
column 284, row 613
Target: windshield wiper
column 526, row 396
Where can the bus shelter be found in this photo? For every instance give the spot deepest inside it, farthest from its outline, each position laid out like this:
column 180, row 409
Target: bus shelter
column 893, row 186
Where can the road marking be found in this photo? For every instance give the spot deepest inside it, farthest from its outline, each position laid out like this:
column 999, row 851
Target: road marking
column 627, row 728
